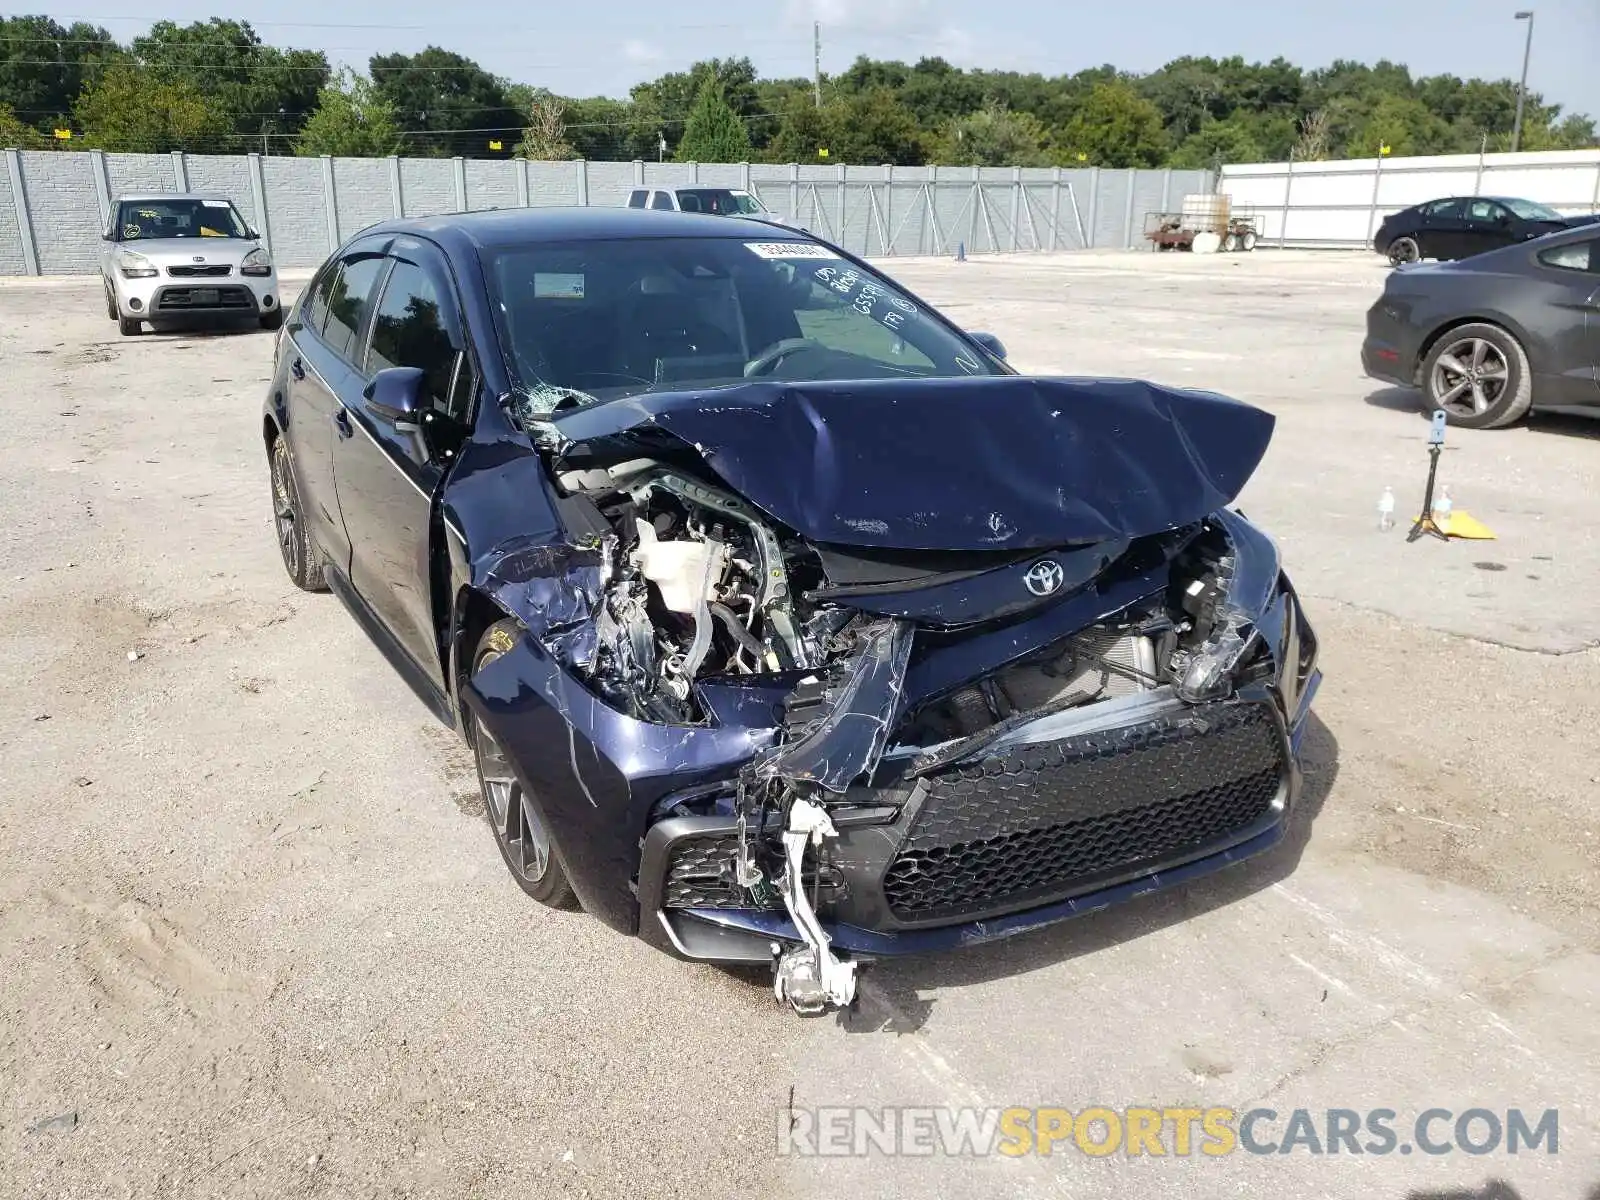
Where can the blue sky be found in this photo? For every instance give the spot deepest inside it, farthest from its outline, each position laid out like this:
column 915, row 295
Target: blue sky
column 603, row 48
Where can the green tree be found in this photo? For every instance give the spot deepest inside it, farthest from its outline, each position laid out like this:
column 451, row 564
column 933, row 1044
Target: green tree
column 259, row 90
column 873, row 127
column 1404, row 125
column 45, row 65
column 17, row 134
column 449, row 103
column 1217, row 143
column 802, row 133
column 713, row 133
column 351, row 120
column 993, row 137
column 1115, row 127
column 135, row 109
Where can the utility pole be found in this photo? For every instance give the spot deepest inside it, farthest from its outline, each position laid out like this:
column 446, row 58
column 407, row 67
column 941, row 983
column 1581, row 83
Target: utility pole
column 816, row 61
column 1522, row 88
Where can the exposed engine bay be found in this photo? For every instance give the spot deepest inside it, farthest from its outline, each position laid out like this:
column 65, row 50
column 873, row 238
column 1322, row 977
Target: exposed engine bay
column 700, row 590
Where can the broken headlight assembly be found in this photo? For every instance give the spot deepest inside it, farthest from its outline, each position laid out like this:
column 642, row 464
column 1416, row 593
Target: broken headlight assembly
column 1223, row 588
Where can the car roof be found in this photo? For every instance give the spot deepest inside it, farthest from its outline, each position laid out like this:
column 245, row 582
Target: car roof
column 517, row 226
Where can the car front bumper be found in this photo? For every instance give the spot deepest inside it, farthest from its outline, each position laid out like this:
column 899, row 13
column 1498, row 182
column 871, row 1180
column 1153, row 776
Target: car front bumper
column 987, row 851
column 164, row 297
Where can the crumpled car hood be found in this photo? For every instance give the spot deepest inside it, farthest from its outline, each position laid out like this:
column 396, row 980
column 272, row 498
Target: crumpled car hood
column 992, row 463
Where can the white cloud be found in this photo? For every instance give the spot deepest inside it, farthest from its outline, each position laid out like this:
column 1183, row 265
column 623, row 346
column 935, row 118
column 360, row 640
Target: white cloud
column 636, row 51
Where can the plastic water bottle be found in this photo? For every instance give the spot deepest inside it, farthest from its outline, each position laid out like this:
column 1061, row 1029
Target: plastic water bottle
column 1386, row 509
column 1442, row 504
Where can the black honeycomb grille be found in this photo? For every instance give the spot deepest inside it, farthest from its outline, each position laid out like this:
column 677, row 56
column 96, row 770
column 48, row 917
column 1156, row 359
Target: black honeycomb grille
column 700, row 873
column 1045, row 820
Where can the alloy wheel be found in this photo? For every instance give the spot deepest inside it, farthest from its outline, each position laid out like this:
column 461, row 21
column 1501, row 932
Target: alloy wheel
column 284, row 518
column 516, row 823
column 1469, row 377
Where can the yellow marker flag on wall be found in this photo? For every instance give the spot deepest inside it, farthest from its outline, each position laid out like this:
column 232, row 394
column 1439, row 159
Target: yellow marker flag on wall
column 822, row 152
column 496, row 145
column 64, row 135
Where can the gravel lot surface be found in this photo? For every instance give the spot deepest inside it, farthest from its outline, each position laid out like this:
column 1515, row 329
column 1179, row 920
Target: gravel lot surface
column 255, row 939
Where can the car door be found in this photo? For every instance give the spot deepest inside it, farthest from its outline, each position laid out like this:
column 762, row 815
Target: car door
column 1442, row 231
column 317, row 370
column 388, row 474
column 1570, row 373
column 1489, row 226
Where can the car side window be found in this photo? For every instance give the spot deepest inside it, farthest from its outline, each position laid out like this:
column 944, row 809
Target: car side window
column 1487, row 210
column 347, row 304
column 637, row 198
column 661, row 200
column 1442, row 209
column 688, row 202
column 1574, row 256
column 415, row 327
column 315, row 309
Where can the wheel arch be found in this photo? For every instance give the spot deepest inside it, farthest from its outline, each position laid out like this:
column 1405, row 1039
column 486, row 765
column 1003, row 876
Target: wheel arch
column 472, row 613
column 1498, row 320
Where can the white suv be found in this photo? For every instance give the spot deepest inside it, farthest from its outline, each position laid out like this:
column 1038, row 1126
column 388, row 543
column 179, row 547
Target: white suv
column 722, row 202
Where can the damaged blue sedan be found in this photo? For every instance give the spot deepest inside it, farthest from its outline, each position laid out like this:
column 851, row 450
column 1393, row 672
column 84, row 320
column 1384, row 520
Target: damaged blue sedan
column 786, row 622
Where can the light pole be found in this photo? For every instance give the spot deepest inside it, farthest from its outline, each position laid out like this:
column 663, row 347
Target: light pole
column 1522, row 88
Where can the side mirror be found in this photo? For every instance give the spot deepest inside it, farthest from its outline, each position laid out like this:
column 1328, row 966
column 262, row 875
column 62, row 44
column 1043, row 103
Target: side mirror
column 990, row 343
column 395, row 396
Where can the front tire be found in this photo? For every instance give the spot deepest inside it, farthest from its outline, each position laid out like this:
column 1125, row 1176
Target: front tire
column 1479, row 375
column 1404, row 250
column 299, row 556
column 519, row 829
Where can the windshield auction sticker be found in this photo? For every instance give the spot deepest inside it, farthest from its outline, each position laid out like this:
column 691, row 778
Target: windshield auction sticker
column 789, row 250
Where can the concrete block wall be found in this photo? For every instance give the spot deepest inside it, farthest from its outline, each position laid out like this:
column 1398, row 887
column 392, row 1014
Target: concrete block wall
column 305, row 207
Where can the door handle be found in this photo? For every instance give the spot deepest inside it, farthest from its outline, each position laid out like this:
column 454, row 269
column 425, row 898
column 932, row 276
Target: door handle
column 297, row 369
column 341, row 422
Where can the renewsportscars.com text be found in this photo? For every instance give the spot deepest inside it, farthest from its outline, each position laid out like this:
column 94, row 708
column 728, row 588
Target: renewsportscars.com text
column 1100, row 1132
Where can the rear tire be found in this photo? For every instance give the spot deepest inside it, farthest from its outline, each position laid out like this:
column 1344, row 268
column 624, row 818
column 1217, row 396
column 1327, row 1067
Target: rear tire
column 525, row 841
column 1247, row 240
column 299, row 556
column 130, row 326
column 1473, row 361
column 1404, row 250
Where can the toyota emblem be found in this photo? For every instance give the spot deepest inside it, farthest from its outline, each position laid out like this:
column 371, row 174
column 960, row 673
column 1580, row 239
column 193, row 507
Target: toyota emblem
column 1044, row 577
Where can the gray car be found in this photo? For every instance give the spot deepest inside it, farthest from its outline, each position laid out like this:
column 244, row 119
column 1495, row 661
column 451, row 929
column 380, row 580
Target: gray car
column 1490, row 337
column 184, row 255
